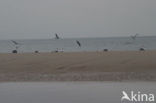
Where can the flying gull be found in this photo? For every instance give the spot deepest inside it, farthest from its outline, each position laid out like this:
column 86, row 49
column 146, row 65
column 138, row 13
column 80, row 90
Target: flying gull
column 56, row 36
column 16, row 44
column 134, row 36
column 78, row 43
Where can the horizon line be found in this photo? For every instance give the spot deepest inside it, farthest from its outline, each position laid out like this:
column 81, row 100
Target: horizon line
column 53, row 38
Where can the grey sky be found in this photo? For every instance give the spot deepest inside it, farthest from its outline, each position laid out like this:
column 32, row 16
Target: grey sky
column 76, row 18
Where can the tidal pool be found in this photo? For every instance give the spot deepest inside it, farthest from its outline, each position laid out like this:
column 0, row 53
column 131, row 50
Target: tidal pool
column 72, row 92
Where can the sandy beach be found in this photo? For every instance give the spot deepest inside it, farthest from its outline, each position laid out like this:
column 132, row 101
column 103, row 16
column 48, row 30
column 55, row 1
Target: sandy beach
column 79, row 66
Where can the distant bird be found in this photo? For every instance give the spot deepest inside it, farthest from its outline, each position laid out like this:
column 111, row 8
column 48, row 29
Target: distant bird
column 56, row 36
column 142, row 49
column 16, row 44
column 56, row 51
column 78, row 43
column 36, row 51
column 105, row 50
column 134, row 36
column 14, row 51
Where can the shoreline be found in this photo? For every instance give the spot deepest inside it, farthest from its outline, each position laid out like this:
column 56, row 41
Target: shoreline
column 67, row 52
column 99, row 77
column 78, row 66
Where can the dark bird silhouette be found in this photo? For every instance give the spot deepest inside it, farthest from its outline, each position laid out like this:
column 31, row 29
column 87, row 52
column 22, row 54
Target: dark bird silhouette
column 105, row 50
column 142, row 49
column 56, row 36
column 134, row 36
column 17, row 45
column 14, row 51
column 15, row 42
column 78, row 43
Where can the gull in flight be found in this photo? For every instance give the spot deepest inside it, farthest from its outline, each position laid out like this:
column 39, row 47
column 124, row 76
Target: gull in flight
column 134, row 36
column 16, row 44
column 56, row 36
column 79, row 44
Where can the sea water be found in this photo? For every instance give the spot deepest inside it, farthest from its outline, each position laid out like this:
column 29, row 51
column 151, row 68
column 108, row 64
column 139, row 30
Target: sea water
column 87, row 44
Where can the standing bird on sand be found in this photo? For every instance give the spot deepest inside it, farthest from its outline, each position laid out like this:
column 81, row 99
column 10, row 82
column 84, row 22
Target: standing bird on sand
column 56, row 36
column 78, row 43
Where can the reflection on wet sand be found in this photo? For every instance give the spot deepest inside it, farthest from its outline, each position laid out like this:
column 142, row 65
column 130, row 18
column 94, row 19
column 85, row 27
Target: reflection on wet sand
column 70, row 92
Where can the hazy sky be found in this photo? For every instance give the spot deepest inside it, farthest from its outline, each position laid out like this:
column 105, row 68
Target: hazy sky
column 76, row 18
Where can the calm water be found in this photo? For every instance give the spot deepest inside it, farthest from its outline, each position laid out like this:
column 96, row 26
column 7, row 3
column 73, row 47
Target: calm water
column 88, row 44
column 79, row 92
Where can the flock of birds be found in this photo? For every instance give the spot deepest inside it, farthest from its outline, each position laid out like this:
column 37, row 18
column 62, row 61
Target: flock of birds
column 78, row 42
column 17, row 45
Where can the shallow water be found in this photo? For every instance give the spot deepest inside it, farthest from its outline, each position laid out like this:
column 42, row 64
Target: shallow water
column 88, row 44
column 71, row 92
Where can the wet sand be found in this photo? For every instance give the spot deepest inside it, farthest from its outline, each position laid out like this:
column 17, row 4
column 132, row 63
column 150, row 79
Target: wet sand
column 72, row 92
column 79, row 66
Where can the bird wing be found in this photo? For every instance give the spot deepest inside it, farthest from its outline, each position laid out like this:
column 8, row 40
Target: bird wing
column 56, row 36
column 15, row 42
column 78, row 43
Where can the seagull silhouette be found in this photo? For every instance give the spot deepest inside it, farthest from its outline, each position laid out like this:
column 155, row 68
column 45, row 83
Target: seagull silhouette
column 125, row 96
column 15, row 42
column 17, row 45
column 134, row 36
column 78, row 43
column 56, row 36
